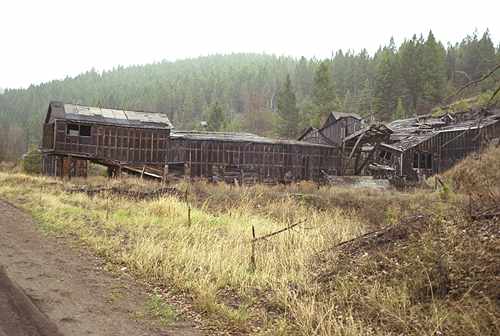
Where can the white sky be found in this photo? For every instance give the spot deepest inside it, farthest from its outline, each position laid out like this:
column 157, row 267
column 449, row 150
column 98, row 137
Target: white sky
column 42, row 40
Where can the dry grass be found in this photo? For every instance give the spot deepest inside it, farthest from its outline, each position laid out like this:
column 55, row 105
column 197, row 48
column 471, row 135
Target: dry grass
column 376, row 290
column 209, row 258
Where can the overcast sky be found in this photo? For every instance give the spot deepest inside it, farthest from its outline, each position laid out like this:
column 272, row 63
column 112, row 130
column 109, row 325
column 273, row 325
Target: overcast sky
column 48, row 39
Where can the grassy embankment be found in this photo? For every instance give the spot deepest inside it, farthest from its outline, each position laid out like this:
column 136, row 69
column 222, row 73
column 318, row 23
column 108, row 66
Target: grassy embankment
column 434, row 275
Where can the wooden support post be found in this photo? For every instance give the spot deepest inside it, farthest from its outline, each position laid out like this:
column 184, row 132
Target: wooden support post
column 186, row 199
column 142, row 172
column 368, row 158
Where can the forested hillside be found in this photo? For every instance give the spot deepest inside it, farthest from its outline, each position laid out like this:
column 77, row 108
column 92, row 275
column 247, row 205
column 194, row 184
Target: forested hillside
column 251, row 92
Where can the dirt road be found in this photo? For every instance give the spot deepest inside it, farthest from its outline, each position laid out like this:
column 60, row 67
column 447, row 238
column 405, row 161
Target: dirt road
column 70, row 286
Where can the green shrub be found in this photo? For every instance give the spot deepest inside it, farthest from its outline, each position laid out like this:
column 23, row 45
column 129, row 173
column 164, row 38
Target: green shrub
column 32, row 161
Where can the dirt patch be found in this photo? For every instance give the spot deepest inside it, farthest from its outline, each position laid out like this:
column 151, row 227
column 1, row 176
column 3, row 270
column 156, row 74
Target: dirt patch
column 19, row 316
column 72, row 287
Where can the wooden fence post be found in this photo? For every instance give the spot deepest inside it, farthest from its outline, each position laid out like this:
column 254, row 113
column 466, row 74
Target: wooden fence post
column 188, row 206
column 252, row 257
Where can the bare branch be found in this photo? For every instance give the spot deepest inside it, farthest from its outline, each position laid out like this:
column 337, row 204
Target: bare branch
column 493, row 96
column 474, row 82
column 279, row 231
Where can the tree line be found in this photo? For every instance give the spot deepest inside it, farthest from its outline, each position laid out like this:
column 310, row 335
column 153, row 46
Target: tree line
column 265, row 94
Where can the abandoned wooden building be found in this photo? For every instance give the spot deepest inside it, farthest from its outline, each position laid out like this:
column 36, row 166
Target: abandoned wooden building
column 227, row 155
column 74, row 133
column 423, row 146
column 133, row 141
column 336, row 127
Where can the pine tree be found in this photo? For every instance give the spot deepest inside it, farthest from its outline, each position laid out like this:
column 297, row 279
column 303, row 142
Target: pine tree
column 287, row 123
column 410, row 55
column 347, row 104
column 400, row 112
column 386, row 84
column 366, row 100
column 487, row 56
column 324, row 97
column 434, row 70
column 216, row 118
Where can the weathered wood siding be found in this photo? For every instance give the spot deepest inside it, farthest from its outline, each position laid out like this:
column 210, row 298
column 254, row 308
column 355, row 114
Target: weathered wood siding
column 54, row 165
column 444, row 150
column 48, row 136
column 131, row 145
column 337, row 130
column 206, row 158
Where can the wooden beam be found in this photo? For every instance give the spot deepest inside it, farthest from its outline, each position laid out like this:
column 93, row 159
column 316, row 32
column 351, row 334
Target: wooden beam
column 368, row 158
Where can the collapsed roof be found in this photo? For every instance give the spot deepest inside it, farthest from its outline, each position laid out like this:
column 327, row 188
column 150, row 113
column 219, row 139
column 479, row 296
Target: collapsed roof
column 408, row 133
column 404, row 134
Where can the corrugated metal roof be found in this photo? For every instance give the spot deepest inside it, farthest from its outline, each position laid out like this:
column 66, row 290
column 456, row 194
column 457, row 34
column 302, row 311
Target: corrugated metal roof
column 115, row 116
column 237, row 137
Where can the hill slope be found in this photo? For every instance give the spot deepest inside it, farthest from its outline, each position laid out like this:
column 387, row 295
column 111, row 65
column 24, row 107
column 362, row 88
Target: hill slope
column 433, row 273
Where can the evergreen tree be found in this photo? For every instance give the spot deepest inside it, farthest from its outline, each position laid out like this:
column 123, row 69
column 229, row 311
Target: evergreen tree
column 287, row 124
column 410, row 54
column 324, row 97
column 366, row 101
column 433, row 70
column 420, row 72
column 400, row 112
column 216, row 118
column 348, row 104
column 386, row 79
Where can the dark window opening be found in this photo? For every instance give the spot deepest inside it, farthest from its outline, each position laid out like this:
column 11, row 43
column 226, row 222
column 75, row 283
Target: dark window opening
column 78, row 130
column 385, row 155
column 415, row 160
column 422, row 160
column 72, row 130
column 428, row 163
column 85, row 130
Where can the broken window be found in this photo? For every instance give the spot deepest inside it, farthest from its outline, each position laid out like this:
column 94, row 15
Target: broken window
column 72, row 130
column 78, row 130
column 385, row 155
column 85, row 130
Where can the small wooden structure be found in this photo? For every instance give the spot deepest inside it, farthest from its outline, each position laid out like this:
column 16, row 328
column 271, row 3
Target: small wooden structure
column 107, row 136
column 336, row 127
column 339, row 125
column 245, row 156
column 56, row 165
